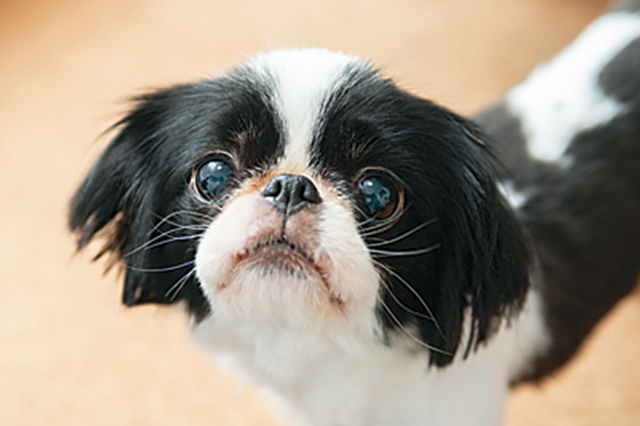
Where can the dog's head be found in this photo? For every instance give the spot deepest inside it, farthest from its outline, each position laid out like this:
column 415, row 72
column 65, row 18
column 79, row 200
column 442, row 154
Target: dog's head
column 305, row 190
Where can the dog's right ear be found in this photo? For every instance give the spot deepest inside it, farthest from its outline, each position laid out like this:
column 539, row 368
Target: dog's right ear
column 136, row 184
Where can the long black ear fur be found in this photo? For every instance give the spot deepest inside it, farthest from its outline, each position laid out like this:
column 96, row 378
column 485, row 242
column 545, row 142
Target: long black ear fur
column 127, row 198
column 483, row 263
column 497, row 264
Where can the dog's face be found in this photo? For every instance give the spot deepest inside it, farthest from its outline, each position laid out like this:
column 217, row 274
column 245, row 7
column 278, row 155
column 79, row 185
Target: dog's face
column 303, row 190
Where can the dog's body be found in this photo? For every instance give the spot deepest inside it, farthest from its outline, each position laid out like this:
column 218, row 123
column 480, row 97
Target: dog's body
column 349, row 246
column 570, row 139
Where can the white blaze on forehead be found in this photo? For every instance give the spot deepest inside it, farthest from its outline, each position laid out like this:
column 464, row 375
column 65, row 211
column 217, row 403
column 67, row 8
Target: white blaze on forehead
column 303, row 81
column 563, row 98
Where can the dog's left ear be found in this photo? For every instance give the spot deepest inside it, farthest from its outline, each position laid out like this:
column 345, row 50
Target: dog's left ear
column 129, row 200
column 478, row 277
column 488, row 252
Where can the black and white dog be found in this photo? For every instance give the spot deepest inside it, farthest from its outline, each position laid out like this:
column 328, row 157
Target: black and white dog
column 369, row 256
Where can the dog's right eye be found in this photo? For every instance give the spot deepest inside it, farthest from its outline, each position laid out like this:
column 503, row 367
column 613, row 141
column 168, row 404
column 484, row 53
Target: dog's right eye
column 212, row 177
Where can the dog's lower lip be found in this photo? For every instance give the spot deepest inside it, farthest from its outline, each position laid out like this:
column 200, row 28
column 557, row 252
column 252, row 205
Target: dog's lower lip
column 280, row 246
column 281, row 255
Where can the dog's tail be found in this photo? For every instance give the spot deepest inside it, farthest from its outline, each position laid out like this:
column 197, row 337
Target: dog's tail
column 568, row 139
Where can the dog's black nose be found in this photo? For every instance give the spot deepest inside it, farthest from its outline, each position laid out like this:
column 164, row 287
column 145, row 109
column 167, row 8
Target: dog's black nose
column 290, row 193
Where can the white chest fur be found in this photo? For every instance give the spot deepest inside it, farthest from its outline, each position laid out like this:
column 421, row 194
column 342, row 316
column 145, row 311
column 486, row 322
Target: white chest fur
column 332, row 380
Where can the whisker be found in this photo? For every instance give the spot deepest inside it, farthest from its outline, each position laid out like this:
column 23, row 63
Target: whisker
column 151, row 243
column 172, row 240
column 410, row 335
column 178, row 225
column 196, row 227
column 377, row 228
column 405, row 235
column 173, row 291
column 192, row 213
column 167, row 269
column 167, row 218
column 363, row 225
column 364, row 222
column 388, row 253
column 430, row 313
column 405, row 307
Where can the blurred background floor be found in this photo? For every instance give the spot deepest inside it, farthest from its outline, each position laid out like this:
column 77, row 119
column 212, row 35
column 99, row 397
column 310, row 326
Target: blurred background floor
column 69, row 353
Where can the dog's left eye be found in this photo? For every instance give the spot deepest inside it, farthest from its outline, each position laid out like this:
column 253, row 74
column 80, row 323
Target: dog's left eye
column 212, row 177
column 379, row 194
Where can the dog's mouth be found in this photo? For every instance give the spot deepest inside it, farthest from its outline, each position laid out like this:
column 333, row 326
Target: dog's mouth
column 278, row 256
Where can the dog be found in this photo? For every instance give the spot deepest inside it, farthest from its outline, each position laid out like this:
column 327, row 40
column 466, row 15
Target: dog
column 367, row 256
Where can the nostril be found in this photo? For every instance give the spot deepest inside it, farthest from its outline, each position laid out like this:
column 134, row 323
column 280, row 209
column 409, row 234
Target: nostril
column 290, row 193
column 307, row 191
column 273, row 188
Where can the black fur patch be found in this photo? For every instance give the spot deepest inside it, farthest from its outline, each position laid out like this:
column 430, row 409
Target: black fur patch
column 481, row 260
column 140, row 184
column 583, row 220
column 587, row 235
column 619, row 78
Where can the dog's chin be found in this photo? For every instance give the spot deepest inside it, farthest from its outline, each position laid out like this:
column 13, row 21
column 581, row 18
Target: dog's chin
column 283, row 293
column 277, row 283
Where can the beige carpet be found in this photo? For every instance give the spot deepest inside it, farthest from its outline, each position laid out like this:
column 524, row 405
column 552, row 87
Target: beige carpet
column 69, row 353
